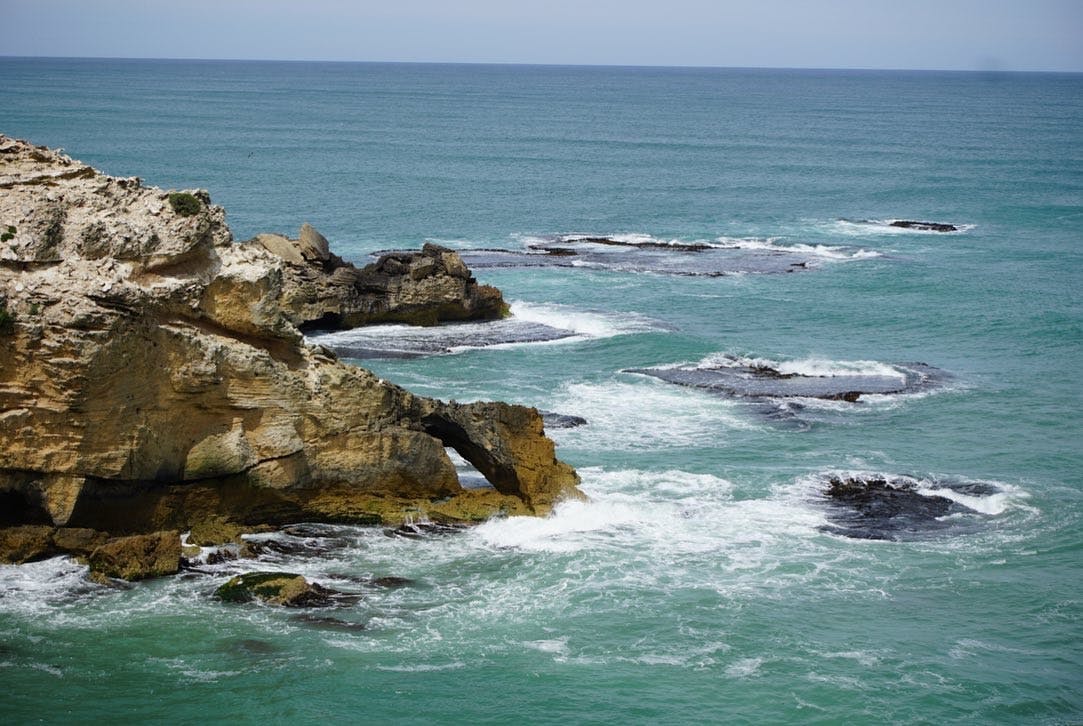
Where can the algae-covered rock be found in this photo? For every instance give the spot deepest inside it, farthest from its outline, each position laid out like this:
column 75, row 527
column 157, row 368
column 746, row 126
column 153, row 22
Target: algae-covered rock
column 275, row 588
column 138, row 557
column 215, row 531
column 78, row 540
column 26, row 543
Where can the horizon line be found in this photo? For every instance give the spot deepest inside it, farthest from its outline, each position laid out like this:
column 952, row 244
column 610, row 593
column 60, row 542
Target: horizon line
column 987, row 71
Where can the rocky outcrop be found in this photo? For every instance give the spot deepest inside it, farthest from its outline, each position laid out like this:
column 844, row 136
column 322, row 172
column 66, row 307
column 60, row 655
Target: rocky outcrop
column 27, row 543
column 490, row 436
column 135, row 557
column 322, row 291
column 924, row 226
column 138, row 557
column 153, row 376
column 275, row 588
column 866, row 506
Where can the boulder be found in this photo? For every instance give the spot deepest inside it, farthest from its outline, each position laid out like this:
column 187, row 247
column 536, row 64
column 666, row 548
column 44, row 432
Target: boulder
column 26, row 543
column 313, row 245
column 555, row 420
column 275, row 588
column 79, row 541
column 138, row 557
column 30, row 542
column 280, row 246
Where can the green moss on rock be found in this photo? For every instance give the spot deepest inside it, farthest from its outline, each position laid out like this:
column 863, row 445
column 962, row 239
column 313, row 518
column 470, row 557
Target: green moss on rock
column 138, row 557
column 274, row 588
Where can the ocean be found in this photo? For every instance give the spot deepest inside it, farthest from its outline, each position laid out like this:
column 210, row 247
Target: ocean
column 678, row 246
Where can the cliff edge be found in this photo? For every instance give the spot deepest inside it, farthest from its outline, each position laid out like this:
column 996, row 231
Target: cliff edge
column 153, row 375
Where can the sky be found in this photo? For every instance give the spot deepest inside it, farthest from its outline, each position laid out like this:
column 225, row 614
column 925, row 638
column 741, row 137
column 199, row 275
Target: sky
column 918, row 34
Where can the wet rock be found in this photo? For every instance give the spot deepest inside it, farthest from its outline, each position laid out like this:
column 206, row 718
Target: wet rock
column 78, row 540
column 220, row 556
column 848, row 396
column 26, row 543
column 414, row 342
column 113, row 583
column 757, row 381
column 647, row 255
column 291, row 546
column 874, row 507
column 328, row 623
column 275, row 588
column 138, row 557
column 214, row 531
column 614, row 242
column 419, row 530
column 390, row 582
column 924, row 226
column 714, row 262
column 561, row 420
column 310, row 529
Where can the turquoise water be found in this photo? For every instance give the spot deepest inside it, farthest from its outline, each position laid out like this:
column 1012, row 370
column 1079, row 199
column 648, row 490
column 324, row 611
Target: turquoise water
column 699, row 583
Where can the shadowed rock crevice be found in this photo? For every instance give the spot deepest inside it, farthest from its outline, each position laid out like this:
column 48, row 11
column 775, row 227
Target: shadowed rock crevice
column 19, row 507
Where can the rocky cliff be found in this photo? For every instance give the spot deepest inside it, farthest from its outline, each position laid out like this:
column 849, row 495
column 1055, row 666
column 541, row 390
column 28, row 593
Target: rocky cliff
column 153, row 375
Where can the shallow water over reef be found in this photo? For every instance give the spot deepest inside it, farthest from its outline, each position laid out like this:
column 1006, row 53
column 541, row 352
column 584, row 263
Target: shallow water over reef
column 732, row 227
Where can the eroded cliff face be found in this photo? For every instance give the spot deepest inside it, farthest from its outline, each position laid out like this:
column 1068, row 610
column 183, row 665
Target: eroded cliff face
column 153, row 376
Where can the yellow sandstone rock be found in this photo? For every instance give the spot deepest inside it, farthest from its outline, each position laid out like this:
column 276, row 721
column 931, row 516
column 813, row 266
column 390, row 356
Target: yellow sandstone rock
column 153, row 376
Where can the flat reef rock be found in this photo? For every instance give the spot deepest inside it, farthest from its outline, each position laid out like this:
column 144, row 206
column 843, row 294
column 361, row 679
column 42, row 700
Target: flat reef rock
column 742, row 379
column 882, row 507
column 153, row 375
column 924, row 226
column 652, row 256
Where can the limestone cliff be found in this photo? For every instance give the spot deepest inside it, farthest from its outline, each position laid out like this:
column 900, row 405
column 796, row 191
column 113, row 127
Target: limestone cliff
column 153, row 376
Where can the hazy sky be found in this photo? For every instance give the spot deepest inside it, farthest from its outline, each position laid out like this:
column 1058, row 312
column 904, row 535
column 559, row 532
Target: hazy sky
column 948, row 34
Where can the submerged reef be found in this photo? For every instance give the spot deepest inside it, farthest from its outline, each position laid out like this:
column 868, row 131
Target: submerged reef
column 154, row 376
